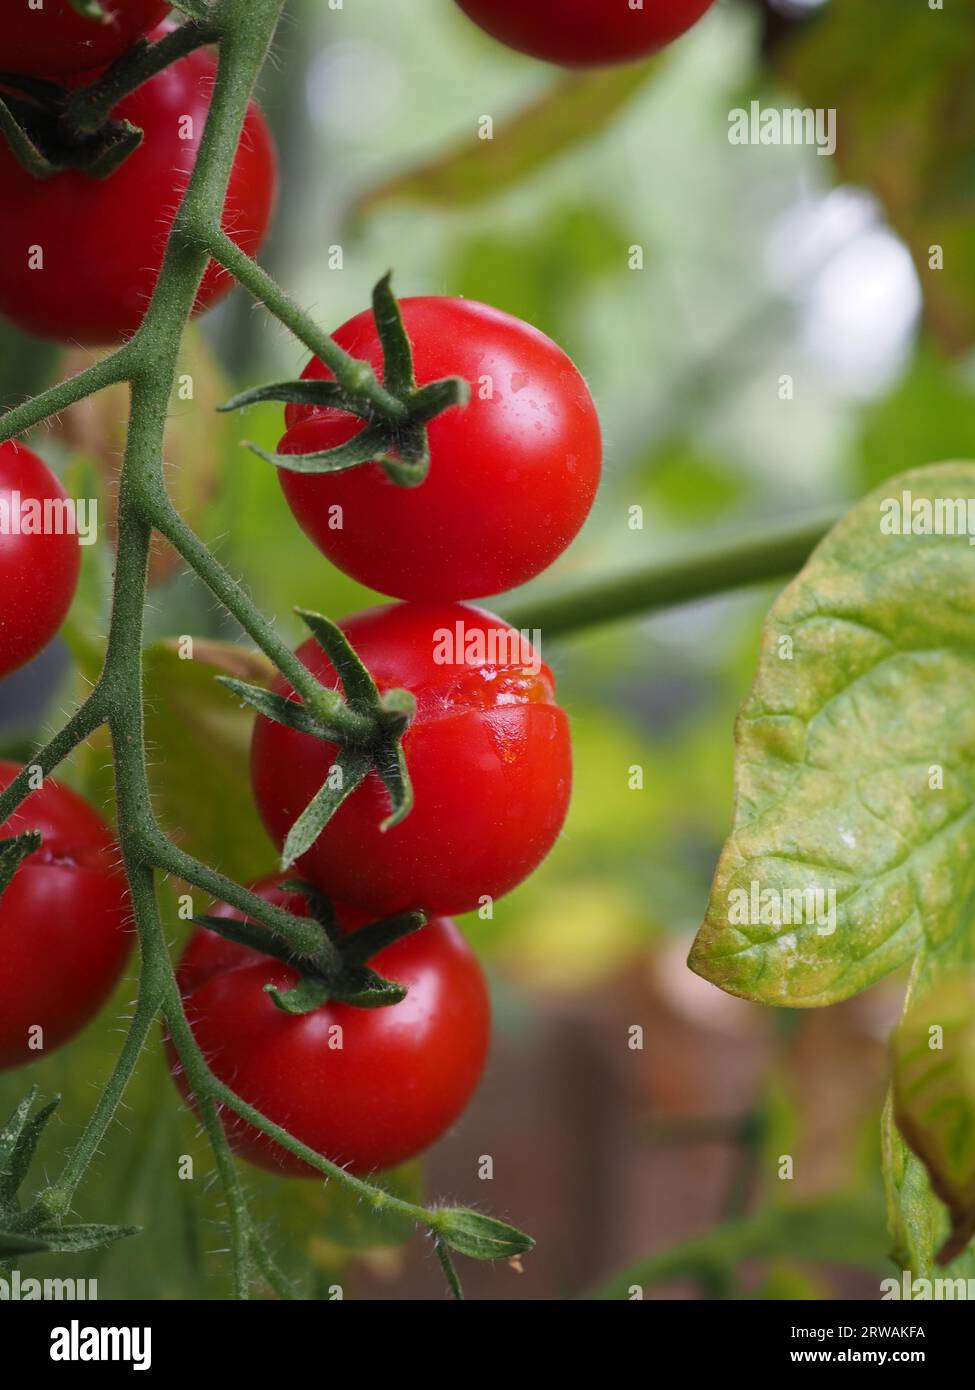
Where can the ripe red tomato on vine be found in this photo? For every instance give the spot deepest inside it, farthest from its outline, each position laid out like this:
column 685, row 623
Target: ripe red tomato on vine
column 80, row 256
column 54, row 40
column 367, row 1088
column 585, row 33
column 39, row 563
column 513, row 474
column 64, row 936
column 488, row 753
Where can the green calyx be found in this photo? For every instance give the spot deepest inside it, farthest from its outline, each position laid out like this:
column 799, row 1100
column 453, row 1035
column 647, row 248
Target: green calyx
column 50, row 128
column 367, row 726
column 332, row 964
column 395, row 417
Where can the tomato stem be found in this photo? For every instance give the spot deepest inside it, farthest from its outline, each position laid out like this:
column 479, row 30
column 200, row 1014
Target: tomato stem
column 148, row 363
column 774, row 550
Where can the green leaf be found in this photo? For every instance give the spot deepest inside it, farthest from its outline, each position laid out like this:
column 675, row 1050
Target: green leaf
column 480, row 1237
column 577, row 107
column 352, row 765
column 933, row 1057
column 865, row 688
column 918, row 1220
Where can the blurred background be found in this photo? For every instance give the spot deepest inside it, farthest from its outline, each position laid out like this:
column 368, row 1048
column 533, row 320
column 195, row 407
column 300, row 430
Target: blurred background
column 686, row 277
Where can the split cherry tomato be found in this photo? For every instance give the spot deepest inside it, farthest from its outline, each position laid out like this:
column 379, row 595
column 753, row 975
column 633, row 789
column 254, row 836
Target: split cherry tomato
column 54, row 40
column 80, row 256
column 513, row 474
column 367, row 1088
column 39, row 556
column 585, row 33
column 63, row 923
column 488, row 753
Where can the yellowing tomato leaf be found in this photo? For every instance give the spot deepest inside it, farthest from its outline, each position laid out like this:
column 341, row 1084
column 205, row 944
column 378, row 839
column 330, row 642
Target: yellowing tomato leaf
column 853, row 846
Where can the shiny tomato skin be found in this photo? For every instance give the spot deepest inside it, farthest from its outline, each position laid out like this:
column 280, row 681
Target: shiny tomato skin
column 103, row 240
column 56, row 41
column 38, row 572
column 512, row 477
column 489, row 756
column 401, row 1076
column 64, row 934
column 585, row 33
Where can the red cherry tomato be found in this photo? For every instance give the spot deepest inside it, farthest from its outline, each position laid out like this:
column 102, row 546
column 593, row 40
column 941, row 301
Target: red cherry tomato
column 80, row 256
column 54, row 40
column 38, row 568
column 585, row 33
column 63, row 923
column 512, row 475
column 367, row 1088
column 488, row 752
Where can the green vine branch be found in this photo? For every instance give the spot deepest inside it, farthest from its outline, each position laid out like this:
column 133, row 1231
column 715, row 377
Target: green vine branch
column 148, row 363
column 774, row 550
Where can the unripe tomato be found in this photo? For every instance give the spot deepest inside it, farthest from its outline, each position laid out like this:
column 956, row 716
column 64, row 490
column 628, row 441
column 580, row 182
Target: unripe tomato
column 63, row 923
column 488, row 753
column 585, row 33
column 80, row 256
column 513, row 474
column 38, row 568
column 54, row 40
column 367, row 1088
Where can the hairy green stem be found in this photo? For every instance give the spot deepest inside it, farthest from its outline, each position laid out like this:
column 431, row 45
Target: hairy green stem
column 148, row 363
column 206, row 1085
column 354, row 376
column 108, row 371
column 302, row 937
column 328, row 705
column 82, row 724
